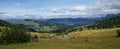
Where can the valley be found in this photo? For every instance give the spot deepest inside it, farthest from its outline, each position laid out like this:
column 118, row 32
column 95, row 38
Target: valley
column 59, row 24
column 34, row 34
column 96, row 39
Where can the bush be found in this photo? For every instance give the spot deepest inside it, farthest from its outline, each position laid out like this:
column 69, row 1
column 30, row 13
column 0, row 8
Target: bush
column 35, row 38
column 14, row 35
column 118, row 32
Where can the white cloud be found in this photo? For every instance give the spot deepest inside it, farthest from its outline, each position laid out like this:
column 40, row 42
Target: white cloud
column 111, row 11
column 98, row 9
column 56, row 9
column 6, row 15
column 104, row 7
column 80, row 8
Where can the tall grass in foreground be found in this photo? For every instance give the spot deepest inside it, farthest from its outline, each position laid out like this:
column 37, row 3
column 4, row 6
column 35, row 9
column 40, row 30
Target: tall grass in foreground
column 101, row 43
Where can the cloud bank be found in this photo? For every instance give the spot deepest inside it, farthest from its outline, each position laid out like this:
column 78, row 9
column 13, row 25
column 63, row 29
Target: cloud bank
column 97, row 9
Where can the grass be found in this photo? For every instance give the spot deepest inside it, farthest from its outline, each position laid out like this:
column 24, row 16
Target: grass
column 41, row 35
column 98, row 33
column 104, row 43
column 96, row 39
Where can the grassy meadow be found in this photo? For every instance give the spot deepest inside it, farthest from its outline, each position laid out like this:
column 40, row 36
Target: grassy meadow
column 87, row 39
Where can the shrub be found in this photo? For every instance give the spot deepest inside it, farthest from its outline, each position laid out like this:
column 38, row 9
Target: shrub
column 35, row 38
column 14, row 35
column 118, row 32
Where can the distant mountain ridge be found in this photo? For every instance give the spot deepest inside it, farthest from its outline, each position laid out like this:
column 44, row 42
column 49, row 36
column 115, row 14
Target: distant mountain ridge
column 72, row 21
column 112, row 15
column 58, row 24
column 81, row 21
column 112, row 21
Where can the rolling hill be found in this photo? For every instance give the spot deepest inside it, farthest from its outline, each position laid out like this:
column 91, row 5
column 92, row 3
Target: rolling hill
column 72, row 21
column 111, row 22
column 41, row 26
column 107, row 23
column 4, row 24
column 97, row 33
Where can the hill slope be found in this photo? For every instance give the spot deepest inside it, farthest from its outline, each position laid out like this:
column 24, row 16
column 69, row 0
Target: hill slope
column 113, row 22
column 107, row 23
column 4, row 24
column 98, row 33
column 41, row 26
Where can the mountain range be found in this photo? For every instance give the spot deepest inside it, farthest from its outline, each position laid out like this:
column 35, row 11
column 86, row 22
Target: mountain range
column 58, row 24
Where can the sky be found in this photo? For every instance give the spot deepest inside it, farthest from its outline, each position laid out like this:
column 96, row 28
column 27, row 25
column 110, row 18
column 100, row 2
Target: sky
column 47, row 9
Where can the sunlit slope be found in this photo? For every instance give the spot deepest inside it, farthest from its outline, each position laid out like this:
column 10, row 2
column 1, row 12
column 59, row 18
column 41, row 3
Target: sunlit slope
column 98, row 33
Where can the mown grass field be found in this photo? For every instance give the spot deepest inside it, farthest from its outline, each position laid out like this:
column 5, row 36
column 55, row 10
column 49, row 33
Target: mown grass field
column 96, row 39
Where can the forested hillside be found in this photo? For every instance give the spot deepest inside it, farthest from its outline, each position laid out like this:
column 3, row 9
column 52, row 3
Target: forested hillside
column 113, row 22
column 5, row 24
column 10, row 33
column 107, row 23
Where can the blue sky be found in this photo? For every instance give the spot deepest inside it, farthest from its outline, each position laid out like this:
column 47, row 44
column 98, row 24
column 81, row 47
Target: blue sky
column 44, row 3
column 36, row 9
